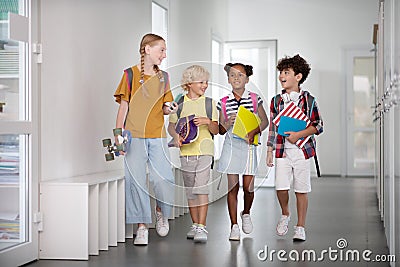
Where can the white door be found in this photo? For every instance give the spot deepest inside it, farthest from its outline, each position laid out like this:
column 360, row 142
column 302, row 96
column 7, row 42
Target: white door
column 18, row 138
column 262, row 56
column 360, row 99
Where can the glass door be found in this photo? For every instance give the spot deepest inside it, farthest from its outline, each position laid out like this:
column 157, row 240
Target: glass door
column 262, row 56
column 360, row 102
column 18, row 173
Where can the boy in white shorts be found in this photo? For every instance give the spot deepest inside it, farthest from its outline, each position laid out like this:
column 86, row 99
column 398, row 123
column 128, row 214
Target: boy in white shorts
column 291, row 160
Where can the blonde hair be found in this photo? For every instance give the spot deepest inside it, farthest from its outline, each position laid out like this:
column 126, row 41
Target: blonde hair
column 193, row 73
column 148, row 39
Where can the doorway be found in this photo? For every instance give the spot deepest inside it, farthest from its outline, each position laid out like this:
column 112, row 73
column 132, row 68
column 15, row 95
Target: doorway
column 360, row 98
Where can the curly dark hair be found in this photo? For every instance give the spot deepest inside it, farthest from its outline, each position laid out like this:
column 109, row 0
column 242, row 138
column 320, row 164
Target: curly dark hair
column 297, row 63
column 247, row 68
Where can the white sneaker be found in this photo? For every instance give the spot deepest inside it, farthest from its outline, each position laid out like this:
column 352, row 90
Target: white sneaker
column 299, row 233
column 142, row 236
column 247, row 225
column 235, row 233
column 201, row 235
column 192, row 232
column 282, row 227
column 162, row 225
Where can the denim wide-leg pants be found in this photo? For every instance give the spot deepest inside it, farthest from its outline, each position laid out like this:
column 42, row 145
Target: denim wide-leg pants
column 151, row 153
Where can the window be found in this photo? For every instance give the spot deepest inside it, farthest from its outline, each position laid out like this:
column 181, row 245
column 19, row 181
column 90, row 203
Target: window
column 160, row 24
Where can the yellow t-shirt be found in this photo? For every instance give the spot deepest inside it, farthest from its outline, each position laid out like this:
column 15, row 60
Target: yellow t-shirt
column 204, row 145
column 145, row 118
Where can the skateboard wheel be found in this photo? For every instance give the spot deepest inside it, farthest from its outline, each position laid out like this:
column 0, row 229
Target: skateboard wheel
column 106, row 142
column 117, row 131
column 109, row 156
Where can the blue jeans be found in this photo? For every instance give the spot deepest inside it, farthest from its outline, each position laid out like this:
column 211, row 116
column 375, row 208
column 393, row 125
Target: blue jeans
column 152, row 153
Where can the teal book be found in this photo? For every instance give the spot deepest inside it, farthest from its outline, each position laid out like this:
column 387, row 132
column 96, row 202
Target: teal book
column 288, row 124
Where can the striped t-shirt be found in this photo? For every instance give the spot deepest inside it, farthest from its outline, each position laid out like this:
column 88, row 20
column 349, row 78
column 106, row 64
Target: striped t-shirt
column 232, row 105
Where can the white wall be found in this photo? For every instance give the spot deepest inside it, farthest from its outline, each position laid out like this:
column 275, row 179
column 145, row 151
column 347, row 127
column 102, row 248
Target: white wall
column 86, row 46
column 319, row 31
column 191, row 25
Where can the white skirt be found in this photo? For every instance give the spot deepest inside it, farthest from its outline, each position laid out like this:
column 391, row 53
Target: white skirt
column 237, row 156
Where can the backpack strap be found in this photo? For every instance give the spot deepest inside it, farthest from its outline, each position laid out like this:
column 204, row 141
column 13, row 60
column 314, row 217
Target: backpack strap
column 129, row 78
column 310, row 100
column 253, row 97
column 277, row 100
column 165, row 80
column 223, row 106
column 208, row 103
column 209, row 107
column 180, row 105
column 310, row 103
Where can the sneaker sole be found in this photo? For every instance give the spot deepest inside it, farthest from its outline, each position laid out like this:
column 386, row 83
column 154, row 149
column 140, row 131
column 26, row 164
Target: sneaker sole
column 279, row 234
column 247, row 232
column 141, row 245
column 189, row 237
column 200, row 240
column 234, row 239
column 162, row 235
column 282, row 234
column 298, row 240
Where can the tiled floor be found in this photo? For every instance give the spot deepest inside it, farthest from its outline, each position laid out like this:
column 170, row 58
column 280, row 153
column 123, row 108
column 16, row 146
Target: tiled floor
column 339, row 208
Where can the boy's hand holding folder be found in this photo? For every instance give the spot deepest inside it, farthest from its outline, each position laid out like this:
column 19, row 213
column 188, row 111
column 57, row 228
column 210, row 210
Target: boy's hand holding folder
column 288, row 124
column 292, row 119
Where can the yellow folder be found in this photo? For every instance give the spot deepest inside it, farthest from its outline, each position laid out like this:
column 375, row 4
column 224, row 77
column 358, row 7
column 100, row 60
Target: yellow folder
column 245, row 122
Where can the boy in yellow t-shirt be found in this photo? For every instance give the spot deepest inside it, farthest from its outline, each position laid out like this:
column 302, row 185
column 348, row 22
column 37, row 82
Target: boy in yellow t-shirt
column 196, row 157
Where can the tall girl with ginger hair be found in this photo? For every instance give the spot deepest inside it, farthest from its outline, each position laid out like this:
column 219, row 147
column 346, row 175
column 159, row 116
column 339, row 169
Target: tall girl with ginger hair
column 142, row 106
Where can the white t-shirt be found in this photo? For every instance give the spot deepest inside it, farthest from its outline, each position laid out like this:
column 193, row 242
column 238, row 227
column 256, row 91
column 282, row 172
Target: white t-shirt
column 289, row 145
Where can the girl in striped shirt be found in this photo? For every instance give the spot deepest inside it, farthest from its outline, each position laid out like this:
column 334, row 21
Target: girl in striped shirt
column 239, row 156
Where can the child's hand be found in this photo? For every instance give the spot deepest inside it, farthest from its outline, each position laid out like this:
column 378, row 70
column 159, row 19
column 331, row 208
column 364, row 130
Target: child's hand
column 201, row 121
column 250, row 136
column 231, row 120
column 270, row 159
column 293, row 137
column 178, row 140
column 170, row 108
column 118, row 143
